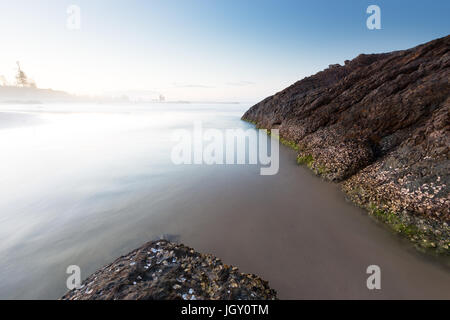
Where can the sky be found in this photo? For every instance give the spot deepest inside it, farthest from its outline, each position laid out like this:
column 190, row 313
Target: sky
column 201, row 50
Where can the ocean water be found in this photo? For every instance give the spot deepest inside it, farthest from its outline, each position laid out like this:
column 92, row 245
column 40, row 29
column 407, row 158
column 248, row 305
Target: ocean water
column 84, row 184
column 71, row 172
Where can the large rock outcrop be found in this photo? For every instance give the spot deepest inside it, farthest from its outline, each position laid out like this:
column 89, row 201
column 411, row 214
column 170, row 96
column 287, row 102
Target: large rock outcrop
column 379, row 124
column 162, row 270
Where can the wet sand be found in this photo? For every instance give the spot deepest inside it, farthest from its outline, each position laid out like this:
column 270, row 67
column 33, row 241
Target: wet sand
column 299, row 233
column 16, row 119
column 292, row 229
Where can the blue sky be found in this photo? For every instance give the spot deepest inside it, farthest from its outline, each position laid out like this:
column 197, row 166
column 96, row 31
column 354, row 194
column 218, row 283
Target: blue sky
column 240, row 50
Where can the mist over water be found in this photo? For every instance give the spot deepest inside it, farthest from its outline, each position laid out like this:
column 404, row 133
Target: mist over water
column 70, row 172
column 84, row 184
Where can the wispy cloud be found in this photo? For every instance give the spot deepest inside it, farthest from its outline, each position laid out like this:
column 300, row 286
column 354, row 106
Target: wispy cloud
column 240, row 83
column 190, row 85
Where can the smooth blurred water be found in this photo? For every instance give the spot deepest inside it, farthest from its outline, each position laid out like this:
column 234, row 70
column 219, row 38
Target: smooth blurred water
column 68, row 170
column 84, row 184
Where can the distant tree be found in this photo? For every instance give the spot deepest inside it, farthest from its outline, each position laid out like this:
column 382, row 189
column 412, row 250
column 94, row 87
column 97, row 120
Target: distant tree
column 21, row 77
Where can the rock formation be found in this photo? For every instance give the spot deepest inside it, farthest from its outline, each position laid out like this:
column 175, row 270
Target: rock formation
column 162, row 270
column 380, row 126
